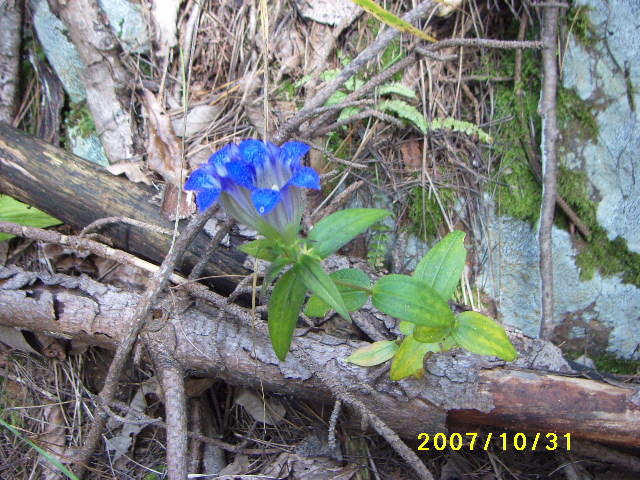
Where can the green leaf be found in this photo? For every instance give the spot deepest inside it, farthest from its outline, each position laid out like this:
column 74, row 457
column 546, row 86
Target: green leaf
column 337, row 97
column 390, row 19
column 398, row 89
column 274, row 269
column 374, row 354
column 12, row 210
column 353, row 298
column 407, row 328
column 284, row 307
column 329, row 75
column 442, row 267
column 409, row 358
column 339, row 228
column 480, row 334
column 407, row 298
column 262, row 248
column 318, row 281
column 426, row 334
column 406, row 111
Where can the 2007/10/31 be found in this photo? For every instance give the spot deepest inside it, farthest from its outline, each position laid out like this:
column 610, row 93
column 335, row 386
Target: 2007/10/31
column 549, row 441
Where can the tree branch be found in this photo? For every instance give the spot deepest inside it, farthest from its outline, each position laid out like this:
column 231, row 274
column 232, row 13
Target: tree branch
column 549, row 148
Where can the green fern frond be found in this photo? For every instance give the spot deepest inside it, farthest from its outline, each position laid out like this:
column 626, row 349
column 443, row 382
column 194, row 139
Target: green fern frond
column 405, row 111
column 398, row 89
column 460, row 126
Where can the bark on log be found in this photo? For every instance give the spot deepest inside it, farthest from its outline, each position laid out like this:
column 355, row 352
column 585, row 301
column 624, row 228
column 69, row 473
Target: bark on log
column 79, row 192
column 458, row 388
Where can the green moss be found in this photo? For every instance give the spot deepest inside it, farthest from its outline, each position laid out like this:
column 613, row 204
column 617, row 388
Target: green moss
column 612, row 364
column 522, row 197
column 601, row 254
column 426, row 217
column 578, row 22
column 572, row 110
column 80, row 117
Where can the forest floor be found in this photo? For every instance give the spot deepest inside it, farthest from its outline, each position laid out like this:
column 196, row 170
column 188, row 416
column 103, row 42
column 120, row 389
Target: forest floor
column 199, row 85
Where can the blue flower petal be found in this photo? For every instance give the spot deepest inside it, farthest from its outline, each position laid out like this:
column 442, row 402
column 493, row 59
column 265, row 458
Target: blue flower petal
column 265, row 199
column 273, row 152
column 202, row 179
column 220, row 157
column 305, row 177
column 206, row 198
column 253, row 151
column 293, row 152
column 242, row 173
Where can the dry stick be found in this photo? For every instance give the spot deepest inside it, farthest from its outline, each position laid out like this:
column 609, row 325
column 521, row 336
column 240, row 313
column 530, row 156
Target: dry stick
column 549, row 147
column 211, row 248
column 137, row 320
column 369, row 53
column 175, row 401
column 340, row 391
column 534, row 160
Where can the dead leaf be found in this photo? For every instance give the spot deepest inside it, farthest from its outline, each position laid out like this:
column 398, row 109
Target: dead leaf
column 268, row 411
column 122, row 442
column 198, row 119
column 51, row 347
column 165, row 20
column 163, row 146
column 412, row 155
column 132, row 170
column 54, row 438
column 15, row 339
column 194, row 387
column 329, row 12
column 289, row 51
column 165, row 157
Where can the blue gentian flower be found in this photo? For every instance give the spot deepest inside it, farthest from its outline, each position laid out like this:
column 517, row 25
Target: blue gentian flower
column 259, row 184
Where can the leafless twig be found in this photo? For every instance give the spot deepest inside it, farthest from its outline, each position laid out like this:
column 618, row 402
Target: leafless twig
column 549, row 148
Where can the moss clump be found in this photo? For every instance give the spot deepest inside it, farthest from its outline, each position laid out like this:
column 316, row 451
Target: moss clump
column 80, row 117
column 606, row 256
column 612, row 364
column 426, row 218
column 578, row 22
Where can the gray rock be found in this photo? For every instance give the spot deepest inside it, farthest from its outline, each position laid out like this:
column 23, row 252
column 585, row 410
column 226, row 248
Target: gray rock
column 61, row 53
column 600, row 75
column 127, row 24
column 88, row 147
column 602, row 313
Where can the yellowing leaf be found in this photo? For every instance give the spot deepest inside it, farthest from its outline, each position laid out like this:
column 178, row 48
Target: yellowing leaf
column 481, row 335
column 374, row 354
column 390, row 19
column 409, row 358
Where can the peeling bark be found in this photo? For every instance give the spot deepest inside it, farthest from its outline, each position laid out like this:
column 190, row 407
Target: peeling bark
column 10, row 36
column 105, row 78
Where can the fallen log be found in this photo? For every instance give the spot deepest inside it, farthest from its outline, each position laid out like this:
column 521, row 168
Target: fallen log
column 79, row 192
column 534, row 394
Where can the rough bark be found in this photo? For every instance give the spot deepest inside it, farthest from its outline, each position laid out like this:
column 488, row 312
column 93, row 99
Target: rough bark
column 79, row 192
column 10, row 36
column 105, row 78
column 459, row 388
